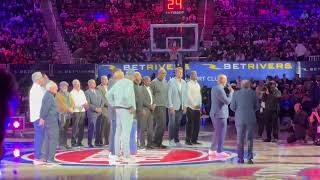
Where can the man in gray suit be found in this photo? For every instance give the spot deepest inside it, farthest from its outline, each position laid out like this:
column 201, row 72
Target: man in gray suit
column 148, row 107
column 245, row 104
column 103, row 88
column 219, row 114
column 94, row 113
column 159, row 87
column 49, row 120
column 177, row 90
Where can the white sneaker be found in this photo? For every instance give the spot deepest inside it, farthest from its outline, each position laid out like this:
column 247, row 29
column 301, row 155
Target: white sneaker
column 172, row 143
column 212, row 153
column 39, row 162
column 113, row 157
column 222, row 155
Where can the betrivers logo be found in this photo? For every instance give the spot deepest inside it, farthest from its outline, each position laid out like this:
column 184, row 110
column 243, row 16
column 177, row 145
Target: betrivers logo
column 249, row 66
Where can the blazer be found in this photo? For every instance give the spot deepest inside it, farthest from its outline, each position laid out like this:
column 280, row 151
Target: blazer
column 177, row 99
column 219, row 102
column 48, row 111
column 103, row 93
column 137, row 93
column 95, row 100
column 145, row 98
column 245, row 104
column 61, row 102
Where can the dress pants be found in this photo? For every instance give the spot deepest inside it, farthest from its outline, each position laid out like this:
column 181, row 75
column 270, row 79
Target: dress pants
column 38, row 139
column 219, row 134
column 174, row 125
column 133, row 137
column 77, row 128
column 64, row 122
column 51, row 134
column 113, row 126
column 271, row 120
column 193, row 125
column 105, row 128
column 94, row 128
column 159, row 115
column 123, row 131
column 260, row 122
column 245, row 131
column 146, row 125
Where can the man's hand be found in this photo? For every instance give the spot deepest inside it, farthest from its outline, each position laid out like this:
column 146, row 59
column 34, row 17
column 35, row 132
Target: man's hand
column 70, row 110
column 231, row 89
column 153, row 107
column 132, row 110
column 85, row 106
column 172, row 111
column 98, row 110
column 41, row 122
column 184, row 110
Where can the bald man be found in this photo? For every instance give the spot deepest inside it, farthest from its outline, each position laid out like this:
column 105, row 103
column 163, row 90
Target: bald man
column 159, row 88
column 245, row 104
column 94, row 113
column 219, row 114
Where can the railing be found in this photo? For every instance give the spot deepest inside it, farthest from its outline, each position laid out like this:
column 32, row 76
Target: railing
column 314, row 58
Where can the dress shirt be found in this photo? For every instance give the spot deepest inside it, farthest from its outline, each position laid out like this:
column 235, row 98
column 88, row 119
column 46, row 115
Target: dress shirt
column 194, row 94
column 79, row 99
column 35, row 100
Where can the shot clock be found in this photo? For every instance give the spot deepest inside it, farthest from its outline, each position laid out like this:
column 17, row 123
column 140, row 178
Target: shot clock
column 174, row 6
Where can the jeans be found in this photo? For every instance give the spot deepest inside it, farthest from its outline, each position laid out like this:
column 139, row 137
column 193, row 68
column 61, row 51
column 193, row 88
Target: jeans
column 113, row 126
column 38, row 139
column 174, row 125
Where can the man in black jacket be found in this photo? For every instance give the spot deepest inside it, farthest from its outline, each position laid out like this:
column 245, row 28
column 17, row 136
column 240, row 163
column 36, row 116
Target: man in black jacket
column 271, row 111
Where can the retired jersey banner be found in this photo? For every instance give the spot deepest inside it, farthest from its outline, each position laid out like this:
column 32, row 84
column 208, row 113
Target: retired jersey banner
column 208, row 71
column 309, row 69
column 146, row 69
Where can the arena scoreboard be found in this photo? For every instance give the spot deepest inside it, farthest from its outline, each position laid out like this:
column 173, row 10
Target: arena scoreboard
column 173, row 7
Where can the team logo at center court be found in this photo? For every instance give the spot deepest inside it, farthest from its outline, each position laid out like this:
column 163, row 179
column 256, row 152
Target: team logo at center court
column 99, row 157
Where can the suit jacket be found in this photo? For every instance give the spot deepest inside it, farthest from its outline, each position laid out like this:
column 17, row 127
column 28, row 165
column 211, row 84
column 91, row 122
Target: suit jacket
column 245, row 104
column 95, row 100
column 177, row 99
column 137, row 93
column 145, row 98
column 61, row 102
column 48, row 111
column 219, row 102
column 103, row 92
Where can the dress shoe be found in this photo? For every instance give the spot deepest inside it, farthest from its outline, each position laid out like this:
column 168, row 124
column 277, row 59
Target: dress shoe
column 67, row 147
column 80, row 145
column 196, row 143
column 240, row 161
column 267, row 140
column 149, row 147
column 188, row 143
column 274, row 140
column 98, row 145
column 250, row 161
column 162, row 146
column 90, row 146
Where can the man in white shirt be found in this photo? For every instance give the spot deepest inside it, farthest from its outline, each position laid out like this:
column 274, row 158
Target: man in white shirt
column 35, row 100
column 148, row 107
column 79, row 113
column 194, row 101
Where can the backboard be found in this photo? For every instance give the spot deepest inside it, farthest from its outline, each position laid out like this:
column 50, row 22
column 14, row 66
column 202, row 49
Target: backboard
column 182, row 37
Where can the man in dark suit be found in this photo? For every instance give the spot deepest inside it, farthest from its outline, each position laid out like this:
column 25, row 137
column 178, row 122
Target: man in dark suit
column 49, row 120
column 219, row 114
column 148, row 107
column 103, row 88
column 245, row 104
column 94, row 113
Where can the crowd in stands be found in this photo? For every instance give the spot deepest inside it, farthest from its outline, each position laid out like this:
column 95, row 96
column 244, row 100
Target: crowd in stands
column 280, row 31
column 23, row 36
column 114, row 31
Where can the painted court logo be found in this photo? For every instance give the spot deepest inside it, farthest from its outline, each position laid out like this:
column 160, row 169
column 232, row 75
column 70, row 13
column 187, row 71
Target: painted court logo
column 99, row 157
